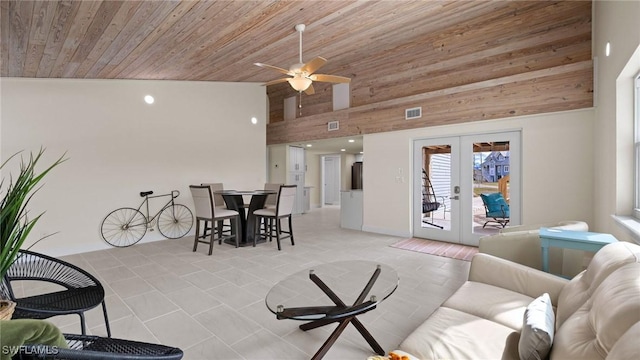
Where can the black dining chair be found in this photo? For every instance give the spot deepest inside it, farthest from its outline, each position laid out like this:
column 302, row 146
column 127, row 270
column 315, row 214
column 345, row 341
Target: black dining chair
column 87, row 347
column 219, row 203
column 206, row 212
column 270, row 202
column 80, row 291
column 272, row 217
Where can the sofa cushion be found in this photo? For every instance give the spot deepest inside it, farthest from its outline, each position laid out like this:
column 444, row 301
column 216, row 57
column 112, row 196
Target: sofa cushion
column 627, row 346
column 536, row 336
column 453, row 334
column 490, row 302
column 593, row 330
column 582, row 286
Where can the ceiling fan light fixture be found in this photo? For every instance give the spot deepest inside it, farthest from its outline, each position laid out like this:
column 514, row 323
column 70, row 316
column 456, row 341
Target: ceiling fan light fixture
column 299, row 83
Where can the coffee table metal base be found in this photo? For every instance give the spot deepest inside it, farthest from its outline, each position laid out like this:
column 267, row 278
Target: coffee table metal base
column 342, row 313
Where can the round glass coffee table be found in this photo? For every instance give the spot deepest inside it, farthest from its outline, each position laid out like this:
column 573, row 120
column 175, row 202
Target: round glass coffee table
column 333, row 292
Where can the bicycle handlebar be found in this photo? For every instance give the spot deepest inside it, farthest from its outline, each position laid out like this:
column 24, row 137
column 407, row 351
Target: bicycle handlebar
column 175, row 193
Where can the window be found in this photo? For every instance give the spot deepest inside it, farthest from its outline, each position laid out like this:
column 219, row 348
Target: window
column 506, row 169
column 636, row 211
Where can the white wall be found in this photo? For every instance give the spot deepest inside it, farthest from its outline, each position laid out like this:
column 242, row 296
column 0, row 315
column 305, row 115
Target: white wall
column 278, row 155
column 615, row 22
column 118, row 145
column 557, row 159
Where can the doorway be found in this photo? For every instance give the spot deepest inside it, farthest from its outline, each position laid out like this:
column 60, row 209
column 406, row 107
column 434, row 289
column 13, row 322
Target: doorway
column 450, row 173
column 330, row 180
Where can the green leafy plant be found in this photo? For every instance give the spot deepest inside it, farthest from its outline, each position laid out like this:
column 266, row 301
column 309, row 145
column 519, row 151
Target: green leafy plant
column 15, row 223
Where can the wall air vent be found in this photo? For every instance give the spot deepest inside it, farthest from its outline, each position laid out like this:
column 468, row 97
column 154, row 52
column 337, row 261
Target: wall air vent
column 413, row 113
column 333, row 125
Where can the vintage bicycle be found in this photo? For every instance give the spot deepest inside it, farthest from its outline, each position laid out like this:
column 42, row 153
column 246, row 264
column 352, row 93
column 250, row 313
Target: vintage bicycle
column 126, row 226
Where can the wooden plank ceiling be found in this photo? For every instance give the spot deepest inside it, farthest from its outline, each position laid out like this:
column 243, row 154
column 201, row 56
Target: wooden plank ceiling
column 436, row 54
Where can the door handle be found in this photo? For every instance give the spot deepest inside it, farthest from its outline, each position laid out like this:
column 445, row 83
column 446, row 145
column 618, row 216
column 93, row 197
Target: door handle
column 454, row 197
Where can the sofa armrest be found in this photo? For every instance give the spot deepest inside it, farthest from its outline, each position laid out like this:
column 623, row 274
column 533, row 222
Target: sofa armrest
column 575, row 225
column 506, row 274
column 522, row 247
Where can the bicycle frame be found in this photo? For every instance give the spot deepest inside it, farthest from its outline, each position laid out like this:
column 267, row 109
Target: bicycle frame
column 149, row 220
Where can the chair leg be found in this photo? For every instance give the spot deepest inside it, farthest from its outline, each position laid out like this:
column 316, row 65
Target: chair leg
column 268, row 233
column 278, row 230
column 237, row 227
column 264, row 227
column 256, row 230
column 106, row 318
column 212, row 237
column 220, row 231
column 291, row 231
column 83, row 326
column 195, row 242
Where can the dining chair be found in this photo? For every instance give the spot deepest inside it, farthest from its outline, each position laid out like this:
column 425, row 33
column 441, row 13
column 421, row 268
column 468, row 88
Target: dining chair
column 270, row 203
column 77, row 290
column 272, row 217
column 219, row 203
column 206, row 211
column 218, row 200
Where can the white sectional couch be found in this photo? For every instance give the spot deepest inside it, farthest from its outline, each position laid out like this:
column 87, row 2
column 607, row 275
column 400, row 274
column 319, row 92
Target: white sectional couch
column 597, row 313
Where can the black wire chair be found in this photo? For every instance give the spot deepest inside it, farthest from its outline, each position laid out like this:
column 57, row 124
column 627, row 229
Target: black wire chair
column 86, row 347
column 82, row 291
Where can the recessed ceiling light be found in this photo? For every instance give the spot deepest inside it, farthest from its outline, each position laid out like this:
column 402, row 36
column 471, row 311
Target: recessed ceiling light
column 607, row 49
column 309, row 145
column 361, row 152
column 351, row 140
column 343, row 149
column 149, row 99
column 254, row 120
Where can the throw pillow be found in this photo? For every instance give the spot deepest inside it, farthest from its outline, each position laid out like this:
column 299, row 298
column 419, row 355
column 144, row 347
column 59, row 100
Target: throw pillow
column 537, row 333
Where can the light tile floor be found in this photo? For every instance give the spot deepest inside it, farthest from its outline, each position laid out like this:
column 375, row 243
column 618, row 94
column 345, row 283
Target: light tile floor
column 213, row 307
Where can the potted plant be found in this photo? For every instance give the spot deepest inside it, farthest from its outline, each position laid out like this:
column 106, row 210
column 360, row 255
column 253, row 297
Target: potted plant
column 15, row 222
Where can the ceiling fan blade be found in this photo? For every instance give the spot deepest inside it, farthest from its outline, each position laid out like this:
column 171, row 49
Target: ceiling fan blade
column 330, row 78
column 284, row 71
column 313, row 65
column 273, row 82
column 310, row 90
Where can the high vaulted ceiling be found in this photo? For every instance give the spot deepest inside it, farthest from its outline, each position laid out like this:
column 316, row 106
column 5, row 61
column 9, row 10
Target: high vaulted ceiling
column 462, row 61
column 217, row 40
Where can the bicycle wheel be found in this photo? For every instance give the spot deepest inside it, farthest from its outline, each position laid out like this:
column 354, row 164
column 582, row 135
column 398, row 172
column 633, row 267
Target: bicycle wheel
column 175, row 221
column 123, row 227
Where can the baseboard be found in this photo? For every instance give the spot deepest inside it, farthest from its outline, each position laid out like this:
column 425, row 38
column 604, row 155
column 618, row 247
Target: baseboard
column 385, row 231
column 56, row 251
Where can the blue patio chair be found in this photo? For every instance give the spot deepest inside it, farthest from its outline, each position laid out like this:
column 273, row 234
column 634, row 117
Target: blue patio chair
column 496, row 209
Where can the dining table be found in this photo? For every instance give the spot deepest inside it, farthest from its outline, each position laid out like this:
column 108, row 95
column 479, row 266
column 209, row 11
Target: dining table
column 234, row 199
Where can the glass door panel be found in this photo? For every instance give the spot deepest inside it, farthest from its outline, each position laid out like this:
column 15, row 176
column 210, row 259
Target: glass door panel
column 491, row 165
column 435, row 203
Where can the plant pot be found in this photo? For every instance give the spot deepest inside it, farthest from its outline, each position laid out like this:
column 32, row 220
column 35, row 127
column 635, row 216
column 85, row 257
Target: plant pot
column 6, row 309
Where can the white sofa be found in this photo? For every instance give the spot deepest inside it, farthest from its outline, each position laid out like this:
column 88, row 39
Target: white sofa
column 597, row 313
column 521, row 244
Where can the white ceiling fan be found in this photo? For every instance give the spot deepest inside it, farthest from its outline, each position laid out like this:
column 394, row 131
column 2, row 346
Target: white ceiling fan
column 302, row 74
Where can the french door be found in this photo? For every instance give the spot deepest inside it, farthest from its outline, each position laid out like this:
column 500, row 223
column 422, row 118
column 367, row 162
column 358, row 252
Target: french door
column 450, row 173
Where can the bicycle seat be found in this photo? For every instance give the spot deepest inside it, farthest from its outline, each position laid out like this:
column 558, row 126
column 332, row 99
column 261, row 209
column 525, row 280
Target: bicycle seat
column 145, row 193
